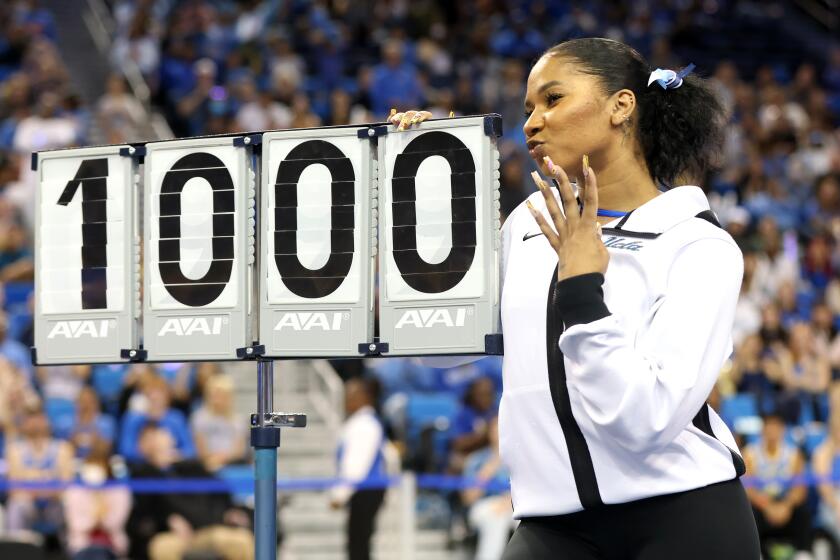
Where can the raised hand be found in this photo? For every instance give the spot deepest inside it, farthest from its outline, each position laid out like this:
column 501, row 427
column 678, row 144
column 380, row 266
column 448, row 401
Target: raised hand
column 576, row 235
column 408, row 118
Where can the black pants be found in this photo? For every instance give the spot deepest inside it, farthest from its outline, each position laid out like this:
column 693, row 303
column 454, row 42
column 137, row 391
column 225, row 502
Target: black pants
column 797, row 531
column 364, row 505
column 712, row 522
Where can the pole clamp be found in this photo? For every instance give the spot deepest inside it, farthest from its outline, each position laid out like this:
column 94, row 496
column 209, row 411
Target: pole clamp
column 279, row 420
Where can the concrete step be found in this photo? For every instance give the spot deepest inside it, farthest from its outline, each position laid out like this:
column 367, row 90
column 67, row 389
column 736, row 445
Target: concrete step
column 318, row 502
column 377, row 554
column 315, row 543
column 329, row 521
column 304, row 466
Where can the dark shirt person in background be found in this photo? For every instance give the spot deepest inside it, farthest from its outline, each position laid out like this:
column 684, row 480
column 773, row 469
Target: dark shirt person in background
column 166, row 526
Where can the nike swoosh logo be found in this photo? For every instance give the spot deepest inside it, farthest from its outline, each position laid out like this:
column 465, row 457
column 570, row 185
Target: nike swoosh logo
column 528, row 236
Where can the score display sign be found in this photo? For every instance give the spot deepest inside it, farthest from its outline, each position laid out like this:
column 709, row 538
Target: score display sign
column 306, row 285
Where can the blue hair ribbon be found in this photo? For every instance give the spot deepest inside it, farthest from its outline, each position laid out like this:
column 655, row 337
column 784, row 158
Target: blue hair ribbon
column 669, row 79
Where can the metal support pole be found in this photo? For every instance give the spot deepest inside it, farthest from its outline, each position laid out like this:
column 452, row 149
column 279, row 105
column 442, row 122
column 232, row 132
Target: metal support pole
column 265, row 439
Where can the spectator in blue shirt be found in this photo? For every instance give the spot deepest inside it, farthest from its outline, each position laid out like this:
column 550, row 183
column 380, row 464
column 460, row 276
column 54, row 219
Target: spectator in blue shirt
column 92, row 428
column 36, row 21
column 107, row 381
column 470, row 427
column 395, row 82
column 520, row 40
column 14, row 351
column 157, row 411
column 490, row 512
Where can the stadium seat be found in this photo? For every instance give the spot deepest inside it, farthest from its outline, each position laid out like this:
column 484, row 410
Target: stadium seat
column 428, row 420
column 17, row 293
column 740, row 413
column 424, row 410
column 815, row 435
column 62, row 415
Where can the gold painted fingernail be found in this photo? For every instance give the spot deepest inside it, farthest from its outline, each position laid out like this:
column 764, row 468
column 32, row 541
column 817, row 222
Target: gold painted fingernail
column 585, row 166
column 415, row 118
column 393, row 112
column 537, row 179
column 451, row 114
column 531, row 208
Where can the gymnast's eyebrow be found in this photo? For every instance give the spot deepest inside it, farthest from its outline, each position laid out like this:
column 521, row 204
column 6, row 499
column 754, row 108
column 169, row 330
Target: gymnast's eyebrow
column 542, row 88
column 550, row 84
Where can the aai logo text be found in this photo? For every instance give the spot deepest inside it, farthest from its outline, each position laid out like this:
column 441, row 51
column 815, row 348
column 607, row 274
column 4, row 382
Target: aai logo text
column 309, row 321
column 431, row 317
column 79, row 329
column 186, row 326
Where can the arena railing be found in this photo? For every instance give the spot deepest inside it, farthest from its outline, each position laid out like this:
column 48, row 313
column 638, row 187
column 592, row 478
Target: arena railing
column 102, row 28
column 406, row 484
column 326, row 392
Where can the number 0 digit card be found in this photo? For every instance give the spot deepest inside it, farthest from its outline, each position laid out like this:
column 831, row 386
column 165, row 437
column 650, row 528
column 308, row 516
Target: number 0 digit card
column 86, row 248
column 318, row 238
column 198, row 235
column 439, row 237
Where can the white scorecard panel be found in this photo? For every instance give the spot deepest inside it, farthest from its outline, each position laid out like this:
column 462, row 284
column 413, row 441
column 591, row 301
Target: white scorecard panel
column 85, row 250
column 439, row 238
column 317, row 242
column 198, row 249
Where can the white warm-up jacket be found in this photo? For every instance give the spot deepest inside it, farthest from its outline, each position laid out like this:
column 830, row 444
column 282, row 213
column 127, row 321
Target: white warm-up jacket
column 606, row 377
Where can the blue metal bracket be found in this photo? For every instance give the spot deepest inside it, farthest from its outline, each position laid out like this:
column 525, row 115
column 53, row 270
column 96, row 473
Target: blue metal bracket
column 250, row 140
column 493, row 125
column 134, row 152
column 373, row 348
column 372, row 132
column 251, row 352
column 134, row 354
column 494, row 344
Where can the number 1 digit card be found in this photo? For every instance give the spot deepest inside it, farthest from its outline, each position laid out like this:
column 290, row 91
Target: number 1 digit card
column 86, row 251
column 317, row 260
column 198, row 235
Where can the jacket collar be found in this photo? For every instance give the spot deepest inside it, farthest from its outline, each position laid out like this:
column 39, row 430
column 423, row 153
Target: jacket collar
column 663, row 212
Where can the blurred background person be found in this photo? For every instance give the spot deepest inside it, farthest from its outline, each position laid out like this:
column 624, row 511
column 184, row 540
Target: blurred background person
column 37, row 457
column 165, row 526
column 361, row 457
column 92, row 429
column 157, row 411
column 221, row 435
column 96, row 514
column 489, row 509
column 471, row 428
column 778, row 501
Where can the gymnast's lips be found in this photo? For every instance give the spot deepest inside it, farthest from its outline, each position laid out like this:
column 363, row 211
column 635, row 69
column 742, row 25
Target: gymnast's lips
column 535, row 149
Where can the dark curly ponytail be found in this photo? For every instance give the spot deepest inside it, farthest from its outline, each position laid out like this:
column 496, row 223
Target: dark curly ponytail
column 680, row 131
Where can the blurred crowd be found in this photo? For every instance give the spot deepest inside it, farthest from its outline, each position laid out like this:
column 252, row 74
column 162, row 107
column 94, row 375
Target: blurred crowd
column 218, row 66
